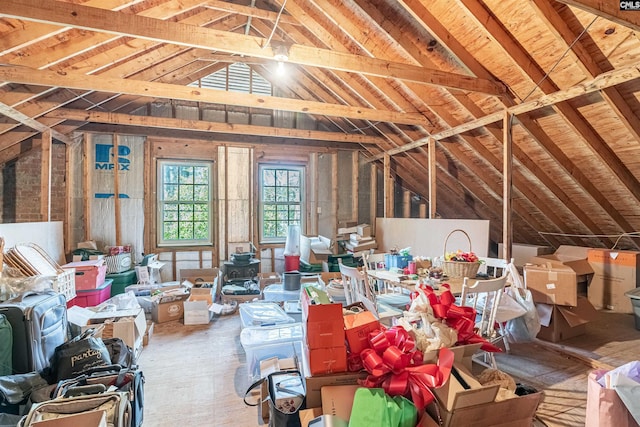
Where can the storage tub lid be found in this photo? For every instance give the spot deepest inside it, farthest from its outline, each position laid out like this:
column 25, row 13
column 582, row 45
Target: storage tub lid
column 292, row 307
column 633, row 294
column 278, row 289
column 262, row 313
column 255, row 336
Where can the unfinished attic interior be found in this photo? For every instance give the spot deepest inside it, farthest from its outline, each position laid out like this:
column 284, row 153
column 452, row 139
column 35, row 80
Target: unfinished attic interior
column 524, row 115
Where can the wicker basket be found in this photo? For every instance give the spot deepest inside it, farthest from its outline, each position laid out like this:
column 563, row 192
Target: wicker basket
column 459, row 268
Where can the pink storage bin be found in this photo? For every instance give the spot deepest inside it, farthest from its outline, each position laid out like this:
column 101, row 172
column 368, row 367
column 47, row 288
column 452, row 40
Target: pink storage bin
column 93, row 297
column 90, row 275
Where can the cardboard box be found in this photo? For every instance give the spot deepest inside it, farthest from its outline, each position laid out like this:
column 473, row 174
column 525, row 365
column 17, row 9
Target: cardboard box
column 551, row 285
column 266, row 279
column 321, row 334
column 515, row 412
column 308, row 415
column 615, row 272
column 338, row 400
column 327, row 360
column 84, row 419
column 454, row 394
column 573, row 257
column 168, row 311
column 200, row 276
column 315, row 249
column 196, row 312
column 148, row 333
column 522, row 253
column 364, row 230
column 202, row 294
column 561, row 322
column 128, row 325
column 357, row 328
column 315, row 384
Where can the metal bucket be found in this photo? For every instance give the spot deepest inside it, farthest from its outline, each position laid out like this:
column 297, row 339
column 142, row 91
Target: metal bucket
column 291, row 280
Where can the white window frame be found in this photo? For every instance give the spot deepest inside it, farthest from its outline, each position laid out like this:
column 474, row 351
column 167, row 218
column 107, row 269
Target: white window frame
column 262, row 202
column 161, row 203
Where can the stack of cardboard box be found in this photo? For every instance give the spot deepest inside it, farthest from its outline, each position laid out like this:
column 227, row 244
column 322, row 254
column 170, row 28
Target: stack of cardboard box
column 324, row 332
column 558, row 284
column 360, row 238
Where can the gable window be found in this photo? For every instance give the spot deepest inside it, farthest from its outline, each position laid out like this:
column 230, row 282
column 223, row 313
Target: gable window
column 236, row 77
column 185, row 203
column 281, row 200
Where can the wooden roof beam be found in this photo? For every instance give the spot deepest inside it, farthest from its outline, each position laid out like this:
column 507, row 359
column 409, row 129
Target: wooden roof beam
column 573, row 119
column 604, row 80
column 32, row 123
column 122, row 24
column 609, row 10
column 208, row 127
column 252, row 12
column 558, row 26
column 169, row 91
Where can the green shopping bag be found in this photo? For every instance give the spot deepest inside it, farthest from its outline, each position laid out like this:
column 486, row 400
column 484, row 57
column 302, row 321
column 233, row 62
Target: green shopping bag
column 372, row 407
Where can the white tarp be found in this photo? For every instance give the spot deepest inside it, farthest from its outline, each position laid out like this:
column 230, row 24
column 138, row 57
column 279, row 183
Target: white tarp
column 130, row 165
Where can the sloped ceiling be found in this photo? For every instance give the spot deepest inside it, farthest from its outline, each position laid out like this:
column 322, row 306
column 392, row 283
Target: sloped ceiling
column 386, row 77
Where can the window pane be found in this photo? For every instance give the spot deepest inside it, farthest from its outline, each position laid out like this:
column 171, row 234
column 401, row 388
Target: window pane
column 185, row 230
column 170, row 174
column 294, row 194
column 201, row 175
column 170, row 231
column 186, row 212
column 281, row 177
column 170, row 193
column 294, row 178
column 186, row 193
column 281, row 194
column 269, row 212
column 201, row 230
column 201, row 193
column 269, row 177
column 269, row 194
column 282, row 229
column 186, row 175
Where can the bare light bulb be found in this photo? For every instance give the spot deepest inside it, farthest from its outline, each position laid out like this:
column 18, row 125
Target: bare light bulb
column 281, row 70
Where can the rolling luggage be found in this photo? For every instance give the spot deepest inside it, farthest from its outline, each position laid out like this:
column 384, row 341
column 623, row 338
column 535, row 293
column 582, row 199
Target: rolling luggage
column 39, row 325
column 127, row 380
column 6, row 338
column 115, row 404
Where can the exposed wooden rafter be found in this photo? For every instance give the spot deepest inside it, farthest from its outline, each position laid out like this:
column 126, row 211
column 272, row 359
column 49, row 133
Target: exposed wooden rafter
column 208, row 127
column 609, row 10
column 78, row 16
column 32, row 123
column 169, row 91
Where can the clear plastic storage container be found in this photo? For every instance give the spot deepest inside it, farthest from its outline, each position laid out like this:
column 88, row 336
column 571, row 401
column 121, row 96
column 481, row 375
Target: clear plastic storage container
column 263, row 314
column 263, row 342
column 276, row 292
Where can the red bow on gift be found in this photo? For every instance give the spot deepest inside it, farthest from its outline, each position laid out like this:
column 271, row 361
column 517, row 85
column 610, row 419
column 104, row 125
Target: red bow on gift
column 395, row 365
column 462, row 319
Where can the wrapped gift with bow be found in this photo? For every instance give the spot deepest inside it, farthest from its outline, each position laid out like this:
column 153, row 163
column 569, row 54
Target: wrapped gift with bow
column 395, row 365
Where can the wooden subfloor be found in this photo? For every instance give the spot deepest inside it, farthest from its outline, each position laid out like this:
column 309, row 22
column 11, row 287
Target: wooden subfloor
column 196, row 375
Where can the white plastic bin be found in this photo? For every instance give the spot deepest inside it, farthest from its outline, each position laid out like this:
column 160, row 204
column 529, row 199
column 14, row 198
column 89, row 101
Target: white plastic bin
column 263, row 314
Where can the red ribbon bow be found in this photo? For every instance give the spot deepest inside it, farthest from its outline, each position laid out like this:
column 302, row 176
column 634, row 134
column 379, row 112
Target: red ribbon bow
column 395, row 365
column 462, row 319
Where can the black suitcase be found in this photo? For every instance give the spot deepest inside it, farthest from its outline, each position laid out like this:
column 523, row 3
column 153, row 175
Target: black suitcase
column 39, row 324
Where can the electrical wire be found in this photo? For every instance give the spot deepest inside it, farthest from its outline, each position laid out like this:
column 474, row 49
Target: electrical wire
column 618, row 237
column 559, row 59
column 275, row 25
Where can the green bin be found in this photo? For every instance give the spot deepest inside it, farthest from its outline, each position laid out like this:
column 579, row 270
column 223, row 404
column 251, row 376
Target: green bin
column 122, row 280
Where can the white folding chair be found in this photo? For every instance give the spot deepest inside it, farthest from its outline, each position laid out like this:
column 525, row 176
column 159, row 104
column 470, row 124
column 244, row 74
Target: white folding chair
column 484, row 296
